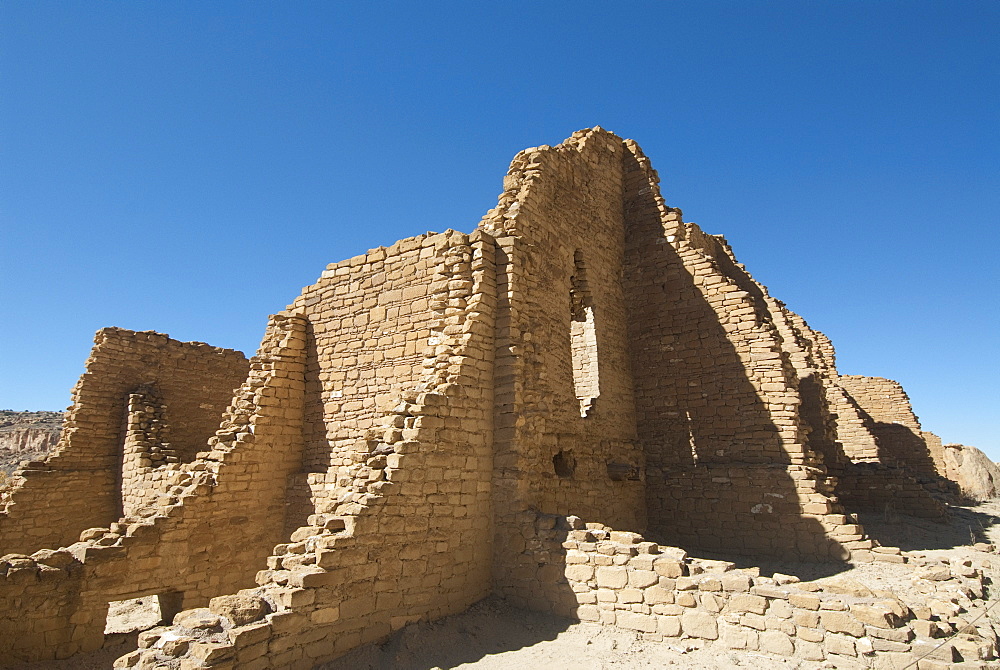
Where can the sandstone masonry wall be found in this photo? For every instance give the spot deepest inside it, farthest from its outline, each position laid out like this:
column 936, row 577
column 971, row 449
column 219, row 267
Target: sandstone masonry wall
column 371, row 323
column 54, row 603
column 79, row 485
column 427, row 424
column 565, row 415
column 896, row 428
column 413, row 543
column 717, row 395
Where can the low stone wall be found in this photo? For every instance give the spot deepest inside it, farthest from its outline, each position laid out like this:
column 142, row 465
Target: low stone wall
column 588, row 572
column 196, row 538
column 593, row 573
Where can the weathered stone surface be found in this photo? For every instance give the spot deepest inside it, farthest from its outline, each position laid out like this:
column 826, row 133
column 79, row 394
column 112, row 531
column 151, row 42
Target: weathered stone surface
column 878, row 615
column 700, row 624
column 841, row 622
column 239, row 609
column 201, row 618
column 776, row 642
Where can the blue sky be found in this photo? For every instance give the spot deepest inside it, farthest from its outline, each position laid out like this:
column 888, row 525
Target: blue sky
column 186, row 166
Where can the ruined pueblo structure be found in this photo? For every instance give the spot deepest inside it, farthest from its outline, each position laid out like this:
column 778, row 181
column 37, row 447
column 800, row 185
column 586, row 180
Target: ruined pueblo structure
column 555, row 408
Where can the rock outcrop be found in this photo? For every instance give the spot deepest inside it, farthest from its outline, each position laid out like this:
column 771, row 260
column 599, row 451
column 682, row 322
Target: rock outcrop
column 27, row 436
column 975, row 473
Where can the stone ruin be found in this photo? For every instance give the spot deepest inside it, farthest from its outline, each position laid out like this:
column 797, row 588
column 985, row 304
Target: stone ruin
column 459, row 415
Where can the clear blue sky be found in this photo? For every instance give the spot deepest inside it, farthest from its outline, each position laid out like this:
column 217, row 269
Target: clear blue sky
column 188, row 166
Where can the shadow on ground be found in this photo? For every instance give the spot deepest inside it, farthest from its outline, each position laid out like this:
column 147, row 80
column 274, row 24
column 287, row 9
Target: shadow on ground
column 490, row 626
column 115, row 645
column 768, row 566
column 964, row 526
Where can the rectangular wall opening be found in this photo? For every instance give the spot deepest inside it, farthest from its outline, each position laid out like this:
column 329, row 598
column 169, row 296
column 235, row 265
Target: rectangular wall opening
column 136, row 614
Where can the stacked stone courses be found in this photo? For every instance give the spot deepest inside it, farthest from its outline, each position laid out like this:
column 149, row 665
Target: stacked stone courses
column 554, row 409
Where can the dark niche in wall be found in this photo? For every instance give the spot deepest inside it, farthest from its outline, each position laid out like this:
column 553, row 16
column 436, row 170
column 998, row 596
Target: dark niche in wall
column 564, row 464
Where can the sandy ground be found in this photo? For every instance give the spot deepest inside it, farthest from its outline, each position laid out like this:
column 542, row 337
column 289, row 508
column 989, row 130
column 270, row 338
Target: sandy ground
column 491, row 635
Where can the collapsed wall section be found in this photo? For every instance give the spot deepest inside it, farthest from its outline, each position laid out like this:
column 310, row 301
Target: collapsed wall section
column 412, row 539
column 80, row 484
column 904, row 476
column 207, row 530
column 843, row 434
column 372, row 321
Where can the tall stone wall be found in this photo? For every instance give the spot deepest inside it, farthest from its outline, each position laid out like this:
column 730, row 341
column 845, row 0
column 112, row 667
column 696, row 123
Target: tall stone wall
column 414, row 541
column 80, row 485
column 717, row 395
column 565, row 414
column 371, row 323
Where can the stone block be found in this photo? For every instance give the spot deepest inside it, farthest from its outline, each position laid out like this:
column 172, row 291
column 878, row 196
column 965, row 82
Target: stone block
column 840, row 644
column 841, row 622
column 809, row 651
column 197, row 619
column 668, row 567
column 748, row 603
column 669, row 626
column 776, row 642
column 644, row 623
column 879, row 644
column 240, row 609
column 700, row 624
column 246, row 636
column 735, row 581
column 612, row 577
column 735, row 637
column 580, row 572
column 656, row 595
column 640, row 579
column 806, row 601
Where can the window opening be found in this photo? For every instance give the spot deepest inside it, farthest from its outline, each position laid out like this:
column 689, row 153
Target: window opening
column 583, row 338
column 135, row 614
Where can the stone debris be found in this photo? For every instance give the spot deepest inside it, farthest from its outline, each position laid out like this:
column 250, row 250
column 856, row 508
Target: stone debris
column 554, row 409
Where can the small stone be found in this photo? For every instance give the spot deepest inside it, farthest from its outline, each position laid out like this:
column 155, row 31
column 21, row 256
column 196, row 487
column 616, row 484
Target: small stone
column 201, row 618
column 934, row 573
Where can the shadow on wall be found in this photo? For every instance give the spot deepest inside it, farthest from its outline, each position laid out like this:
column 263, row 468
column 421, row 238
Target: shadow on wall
column 716, row 475
column 301, row 501
column 814, row 410
column 899, row 444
